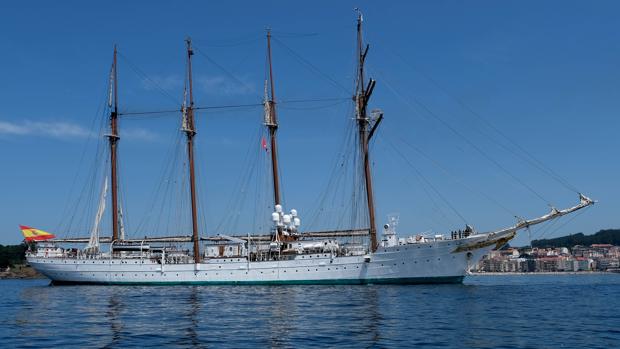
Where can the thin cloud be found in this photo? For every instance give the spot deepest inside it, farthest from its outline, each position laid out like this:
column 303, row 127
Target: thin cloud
column 42, row 128
column 221, row 85
column 65, row 130
column 166, row 83
column 139, row 134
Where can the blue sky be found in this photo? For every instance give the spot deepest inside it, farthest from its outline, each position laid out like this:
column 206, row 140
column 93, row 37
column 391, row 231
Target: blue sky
column 545, row 74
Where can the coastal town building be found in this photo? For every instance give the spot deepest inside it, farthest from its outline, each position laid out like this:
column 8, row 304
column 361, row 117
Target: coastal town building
column 596, row 257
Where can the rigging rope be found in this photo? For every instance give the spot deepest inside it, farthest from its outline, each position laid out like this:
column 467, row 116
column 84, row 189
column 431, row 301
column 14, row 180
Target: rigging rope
column 532, row 159
column 236, row 106
column 427, row 182
column 146, row 77
column 448, row 172
column 566, row 222
column 230, row 75
column 467, row 140
column 312, row 66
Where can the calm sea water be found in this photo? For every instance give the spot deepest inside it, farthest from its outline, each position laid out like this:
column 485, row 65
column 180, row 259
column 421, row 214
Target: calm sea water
column 538, row 311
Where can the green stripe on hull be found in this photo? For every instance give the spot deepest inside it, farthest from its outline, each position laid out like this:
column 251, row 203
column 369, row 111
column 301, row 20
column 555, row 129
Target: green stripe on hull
column 384, row 281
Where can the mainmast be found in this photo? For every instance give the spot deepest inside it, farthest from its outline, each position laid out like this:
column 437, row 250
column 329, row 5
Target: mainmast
column 190, row 132
column 271, row 122
column 366, row 129
column 113, row 138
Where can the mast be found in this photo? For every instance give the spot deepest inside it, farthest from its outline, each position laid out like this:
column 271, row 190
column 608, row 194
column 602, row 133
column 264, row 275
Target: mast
column 190, row 132
column 113, row 139
column 271, row 122
column 366, row 130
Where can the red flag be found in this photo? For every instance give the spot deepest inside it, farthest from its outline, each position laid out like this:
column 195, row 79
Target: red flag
column 263, row 143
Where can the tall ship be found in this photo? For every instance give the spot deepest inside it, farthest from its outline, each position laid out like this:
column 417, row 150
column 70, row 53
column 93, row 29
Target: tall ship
column 286, row 254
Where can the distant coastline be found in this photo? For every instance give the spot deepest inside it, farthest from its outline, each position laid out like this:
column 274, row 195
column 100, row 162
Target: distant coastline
column 542, row 273
column 20, row 271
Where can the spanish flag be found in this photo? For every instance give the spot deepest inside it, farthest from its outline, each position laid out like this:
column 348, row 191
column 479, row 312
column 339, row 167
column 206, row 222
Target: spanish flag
column 32, row 234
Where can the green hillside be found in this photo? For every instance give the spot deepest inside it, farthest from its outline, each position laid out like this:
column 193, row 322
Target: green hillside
column 12, row 254
column 607, row 236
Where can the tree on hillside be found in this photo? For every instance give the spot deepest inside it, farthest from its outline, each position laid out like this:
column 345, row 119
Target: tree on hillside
column 12, row 254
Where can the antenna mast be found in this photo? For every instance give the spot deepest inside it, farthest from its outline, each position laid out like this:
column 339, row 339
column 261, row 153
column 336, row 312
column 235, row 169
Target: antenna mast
column 113, row 138
column 366, row 130
column 190, row 132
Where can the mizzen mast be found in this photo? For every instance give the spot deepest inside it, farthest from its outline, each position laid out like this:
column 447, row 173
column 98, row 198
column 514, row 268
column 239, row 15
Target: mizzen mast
column 271, row 122
column 365, row 127
column 190, row 131
column 113, row 139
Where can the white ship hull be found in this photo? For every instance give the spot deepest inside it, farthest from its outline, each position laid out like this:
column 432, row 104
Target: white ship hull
column 442, row 261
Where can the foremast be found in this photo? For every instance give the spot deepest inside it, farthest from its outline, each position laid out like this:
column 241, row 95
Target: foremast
column 190, row 131
column 113, row 138
column 366, row 127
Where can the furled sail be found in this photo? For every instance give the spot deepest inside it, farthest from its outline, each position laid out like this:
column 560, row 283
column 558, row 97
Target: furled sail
column 268, row 120
column 121, row 225
column 93, row 243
